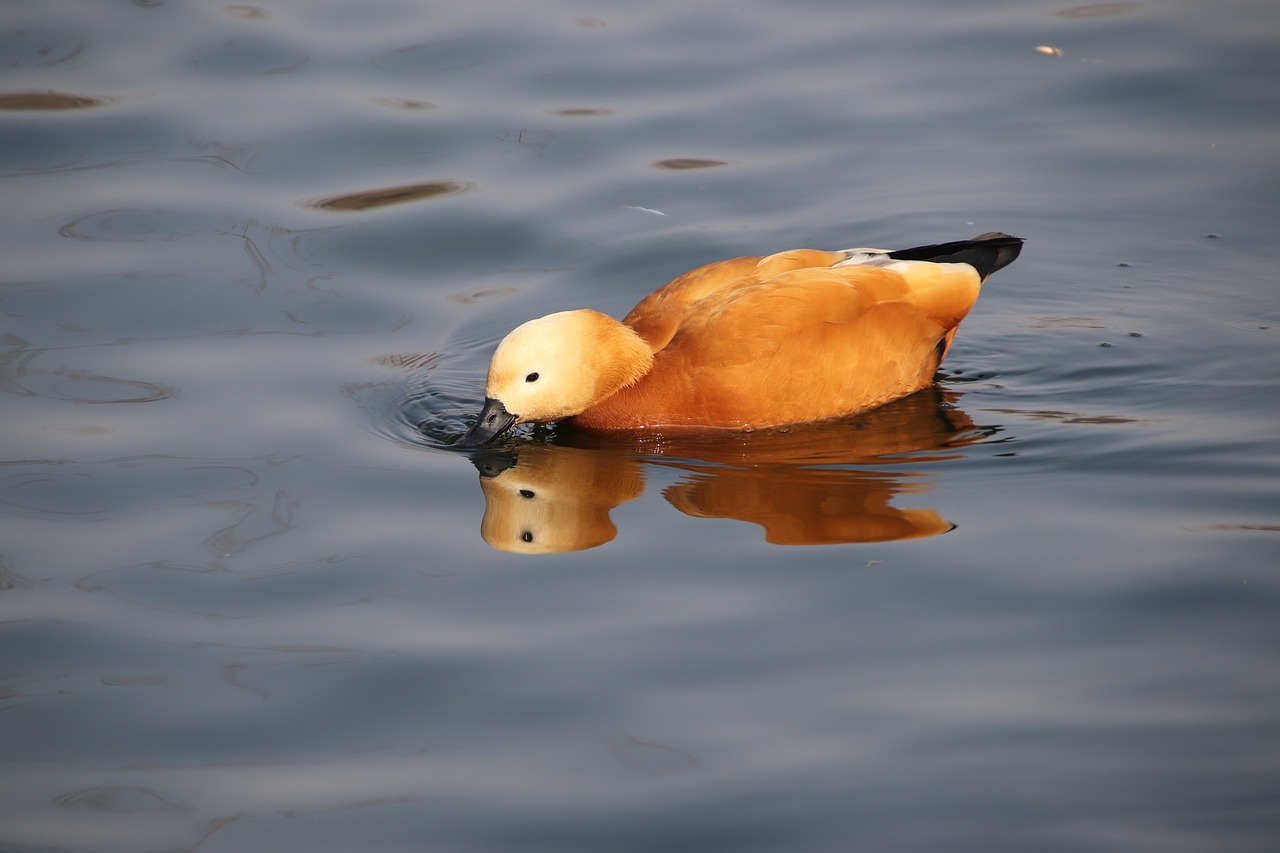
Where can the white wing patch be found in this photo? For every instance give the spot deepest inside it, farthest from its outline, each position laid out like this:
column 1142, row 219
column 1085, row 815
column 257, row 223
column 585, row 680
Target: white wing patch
column 871, row 258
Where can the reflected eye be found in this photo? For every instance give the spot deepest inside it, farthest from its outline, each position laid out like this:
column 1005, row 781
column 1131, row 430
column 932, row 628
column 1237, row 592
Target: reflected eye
column 532, row 377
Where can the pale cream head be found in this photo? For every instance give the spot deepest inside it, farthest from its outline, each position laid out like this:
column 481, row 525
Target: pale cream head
column 562, row 364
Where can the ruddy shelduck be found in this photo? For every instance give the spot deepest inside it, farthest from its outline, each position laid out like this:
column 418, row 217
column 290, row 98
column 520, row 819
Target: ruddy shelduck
column 752, row 342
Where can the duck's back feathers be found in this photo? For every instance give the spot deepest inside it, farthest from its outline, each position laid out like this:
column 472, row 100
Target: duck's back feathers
column 660, row 313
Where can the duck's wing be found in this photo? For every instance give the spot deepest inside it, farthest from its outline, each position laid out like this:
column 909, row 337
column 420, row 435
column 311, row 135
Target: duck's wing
column 810, row 344
column 803, row 310
column 657, row 317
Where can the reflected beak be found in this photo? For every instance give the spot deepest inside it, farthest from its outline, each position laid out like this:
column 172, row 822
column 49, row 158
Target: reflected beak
column 494, row 420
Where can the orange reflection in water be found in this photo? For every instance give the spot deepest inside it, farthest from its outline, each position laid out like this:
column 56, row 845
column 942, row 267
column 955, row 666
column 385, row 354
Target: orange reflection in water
column 810, row 484
column 543, row 499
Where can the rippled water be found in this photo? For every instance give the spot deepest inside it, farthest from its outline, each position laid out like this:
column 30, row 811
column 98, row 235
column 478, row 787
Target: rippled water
column 256, row 258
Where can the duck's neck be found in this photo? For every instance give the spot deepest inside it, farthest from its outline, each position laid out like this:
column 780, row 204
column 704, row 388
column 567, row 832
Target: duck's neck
column 620, row 356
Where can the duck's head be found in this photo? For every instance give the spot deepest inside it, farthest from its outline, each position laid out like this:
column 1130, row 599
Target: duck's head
column 556, row 367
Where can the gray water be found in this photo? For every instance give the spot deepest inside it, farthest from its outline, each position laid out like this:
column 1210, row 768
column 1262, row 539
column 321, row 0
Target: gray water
column 256, row 258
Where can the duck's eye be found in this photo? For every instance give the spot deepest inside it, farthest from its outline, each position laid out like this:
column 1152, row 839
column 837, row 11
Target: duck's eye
column 532, row 377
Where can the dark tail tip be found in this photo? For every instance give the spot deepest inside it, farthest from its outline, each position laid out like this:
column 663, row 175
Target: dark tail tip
column 986, row 253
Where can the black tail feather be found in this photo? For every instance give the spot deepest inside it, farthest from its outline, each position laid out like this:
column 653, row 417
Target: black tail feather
column 986, row 253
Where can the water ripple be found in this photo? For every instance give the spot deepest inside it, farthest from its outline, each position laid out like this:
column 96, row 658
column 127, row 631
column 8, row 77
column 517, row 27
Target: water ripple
column 38, row 48
column 681, row 163
column 386, row 196
column 1099, row 10
column 17, row 376
column 247, row 56
column 450, row 55
column 35, row 100
column 117, row 799
column 134, row 224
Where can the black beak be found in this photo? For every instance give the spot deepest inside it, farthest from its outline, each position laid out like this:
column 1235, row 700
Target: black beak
column 494, row 420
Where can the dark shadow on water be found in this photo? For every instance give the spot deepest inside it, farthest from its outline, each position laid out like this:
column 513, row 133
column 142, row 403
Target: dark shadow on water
column 552, row 490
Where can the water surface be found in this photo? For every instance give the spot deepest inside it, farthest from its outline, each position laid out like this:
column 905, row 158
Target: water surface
column 256, row 258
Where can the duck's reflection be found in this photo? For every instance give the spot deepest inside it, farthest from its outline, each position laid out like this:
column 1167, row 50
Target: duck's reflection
column 799, row 484
column 799, row 507
column 544, row 499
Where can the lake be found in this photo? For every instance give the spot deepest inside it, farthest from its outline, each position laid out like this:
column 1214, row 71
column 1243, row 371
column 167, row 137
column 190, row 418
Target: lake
column 257, row 257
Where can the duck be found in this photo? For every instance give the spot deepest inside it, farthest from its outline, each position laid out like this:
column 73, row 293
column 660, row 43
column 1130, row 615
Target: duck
column 746, row 343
